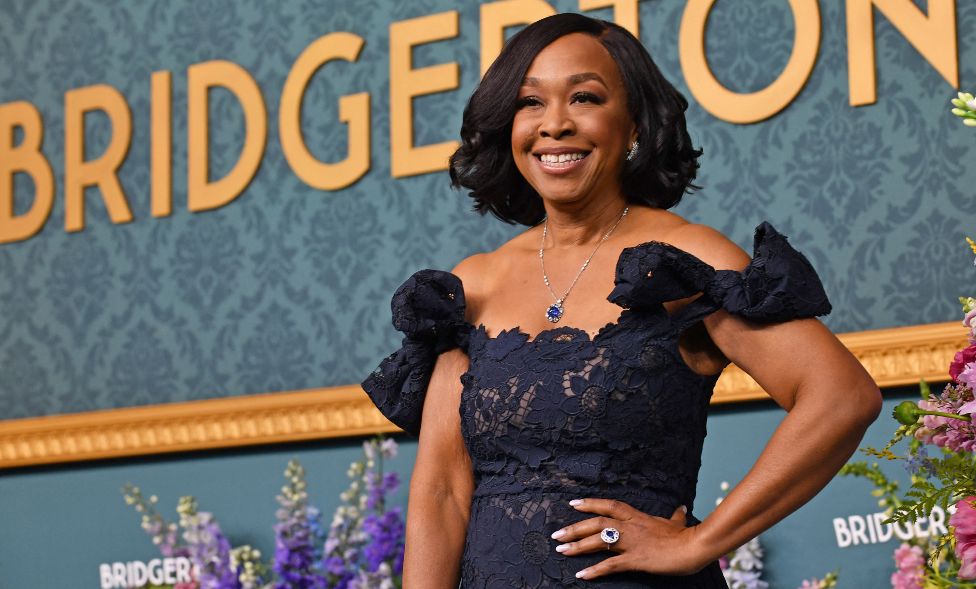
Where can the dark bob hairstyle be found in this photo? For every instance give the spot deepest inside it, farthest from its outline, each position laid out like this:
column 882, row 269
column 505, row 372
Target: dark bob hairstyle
column 660, row 174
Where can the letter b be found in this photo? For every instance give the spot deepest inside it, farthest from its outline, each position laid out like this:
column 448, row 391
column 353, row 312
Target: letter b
column 27, row 158
column 842, row 532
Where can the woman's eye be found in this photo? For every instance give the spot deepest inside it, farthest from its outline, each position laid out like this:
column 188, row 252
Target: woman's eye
column 527, row 101
column 586, row 97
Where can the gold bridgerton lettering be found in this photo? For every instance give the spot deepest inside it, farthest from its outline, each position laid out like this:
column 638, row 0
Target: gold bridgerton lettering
column 353, row 110
column 932, row 33
column 498, row 16
column 626, row 13
column 80, row 173
column 407, row 82
column 747, row 107
column 202, row 193
column 161, row 148
column 26, row 158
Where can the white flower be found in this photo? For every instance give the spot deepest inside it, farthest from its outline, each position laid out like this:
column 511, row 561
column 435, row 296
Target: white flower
column 744, row 580
column 971, row 104
column 748, row 557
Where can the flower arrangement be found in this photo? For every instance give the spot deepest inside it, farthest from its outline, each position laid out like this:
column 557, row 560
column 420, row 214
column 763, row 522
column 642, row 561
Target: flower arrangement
column 743, row 566
column 964, row 106
column 363, row 548
column 947, row 480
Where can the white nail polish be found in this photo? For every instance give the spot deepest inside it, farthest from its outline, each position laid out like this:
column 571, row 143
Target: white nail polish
column 562, row 548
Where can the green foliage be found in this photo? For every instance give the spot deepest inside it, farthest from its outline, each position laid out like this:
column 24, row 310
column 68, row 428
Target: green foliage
column 884, row 487
column 968, row 303
column 951, row 476
column 955, row 473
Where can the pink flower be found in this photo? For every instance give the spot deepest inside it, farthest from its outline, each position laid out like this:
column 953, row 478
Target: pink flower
column 970, row 322
column 968, row 409
column 946, row 432
column 910, row 563
column 968, row 376
column 964, row 522
column 961, row 360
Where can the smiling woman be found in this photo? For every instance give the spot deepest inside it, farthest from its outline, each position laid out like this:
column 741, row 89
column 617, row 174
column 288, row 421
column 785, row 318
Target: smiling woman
column 613, row 90
column 568, row 456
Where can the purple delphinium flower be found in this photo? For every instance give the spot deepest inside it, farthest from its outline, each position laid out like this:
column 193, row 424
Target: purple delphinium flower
column 209, row 549
column 919, row 463
column 294, row 559
column 364, row 538
column 376, row 493
column 386, row 538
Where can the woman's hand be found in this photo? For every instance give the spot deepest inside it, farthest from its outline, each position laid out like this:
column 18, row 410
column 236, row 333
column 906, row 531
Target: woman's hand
column 647, row 543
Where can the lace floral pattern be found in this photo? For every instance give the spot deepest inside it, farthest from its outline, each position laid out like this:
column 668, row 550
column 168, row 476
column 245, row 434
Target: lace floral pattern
column 563, row 415
column 429, row 309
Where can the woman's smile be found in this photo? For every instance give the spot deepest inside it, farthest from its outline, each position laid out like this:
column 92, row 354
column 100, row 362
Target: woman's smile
column 561, row 163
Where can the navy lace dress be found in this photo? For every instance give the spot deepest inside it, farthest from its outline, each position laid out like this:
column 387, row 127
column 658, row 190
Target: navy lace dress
column 563, row 415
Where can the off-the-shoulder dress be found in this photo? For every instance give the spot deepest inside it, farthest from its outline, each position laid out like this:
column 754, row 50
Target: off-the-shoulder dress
column 563, row 415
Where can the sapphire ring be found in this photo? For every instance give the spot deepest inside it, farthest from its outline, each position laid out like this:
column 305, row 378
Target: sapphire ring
column 609, row 535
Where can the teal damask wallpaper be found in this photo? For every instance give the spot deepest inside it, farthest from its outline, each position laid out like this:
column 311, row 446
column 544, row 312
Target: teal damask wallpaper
column 288, row 287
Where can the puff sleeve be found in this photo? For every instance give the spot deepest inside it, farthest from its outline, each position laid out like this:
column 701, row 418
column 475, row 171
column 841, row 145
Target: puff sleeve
column 778, row 284
column 429, row 309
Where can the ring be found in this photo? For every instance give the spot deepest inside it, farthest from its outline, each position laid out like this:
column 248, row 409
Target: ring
column 609, row 535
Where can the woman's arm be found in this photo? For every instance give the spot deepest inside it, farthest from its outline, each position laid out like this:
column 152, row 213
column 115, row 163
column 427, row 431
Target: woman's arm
column 830, row 400
column 441, row 484
column 829, row 397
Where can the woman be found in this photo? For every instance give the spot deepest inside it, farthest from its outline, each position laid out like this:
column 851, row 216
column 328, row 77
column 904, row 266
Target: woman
column 575, row 133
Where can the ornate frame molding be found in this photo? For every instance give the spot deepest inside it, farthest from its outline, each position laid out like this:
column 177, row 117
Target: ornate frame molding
column 894, row 357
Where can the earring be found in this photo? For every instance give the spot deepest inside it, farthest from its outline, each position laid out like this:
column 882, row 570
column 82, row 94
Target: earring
column 632, row 153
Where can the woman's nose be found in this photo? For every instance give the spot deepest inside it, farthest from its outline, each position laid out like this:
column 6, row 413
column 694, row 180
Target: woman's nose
column 556, row 123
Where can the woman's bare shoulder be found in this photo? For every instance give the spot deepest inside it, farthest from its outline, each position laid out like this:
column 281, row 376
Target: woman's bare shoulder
column 708, row 245
column 479, row 273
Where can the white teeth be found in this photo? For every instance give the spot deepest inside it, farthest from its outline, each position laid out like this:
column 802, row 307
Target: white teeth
column 561, row 158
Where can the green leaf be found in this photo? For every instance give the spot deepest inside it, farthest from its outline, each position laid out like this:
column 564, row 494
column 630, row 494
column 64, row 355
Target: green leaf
column 926, row 391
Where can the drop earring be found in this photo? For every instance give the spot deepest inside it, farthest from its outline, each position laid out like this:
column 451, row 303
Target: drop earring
column 632, row 153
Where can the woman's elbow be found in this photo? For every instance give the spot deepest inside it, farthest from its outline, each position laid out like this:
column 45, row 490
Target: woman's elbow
column 865, row 405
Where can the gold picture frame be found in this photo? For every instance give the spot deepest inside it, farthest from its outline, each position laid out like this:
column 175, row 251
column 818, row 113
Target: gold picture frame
column 895, row 356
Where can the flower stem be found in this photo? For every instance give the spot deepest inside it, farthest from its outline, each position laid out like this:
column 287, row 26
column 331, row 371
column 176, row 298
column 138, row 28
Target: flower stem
column 943, row 414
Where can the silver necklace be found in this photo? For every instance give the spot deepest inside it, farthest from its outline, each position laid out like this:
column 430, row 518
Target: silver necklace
column 555, row 311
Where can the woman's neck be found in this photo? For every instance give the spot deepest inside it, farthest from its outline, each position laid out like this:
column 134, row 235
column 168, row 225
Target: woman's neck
column 571, row 226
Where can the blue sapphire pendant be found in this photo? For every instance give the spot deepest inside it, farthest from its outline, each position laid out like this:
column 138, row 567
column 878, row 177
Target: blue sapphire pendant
column 555, row 312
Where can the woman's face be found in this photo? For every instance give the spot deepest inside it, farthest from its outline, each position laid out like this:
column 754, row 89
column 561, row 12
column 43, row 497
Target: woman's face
column 572, row 128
